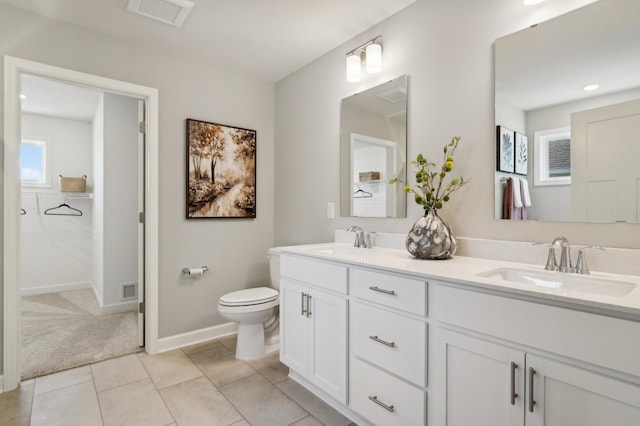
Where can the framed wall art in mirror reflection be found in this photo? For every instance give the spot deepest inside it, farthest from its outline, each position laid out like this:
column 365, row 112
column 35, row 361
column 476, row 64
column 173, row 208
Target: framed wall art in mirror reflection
column 221, row 171
column 505, row 149
column 521, row 153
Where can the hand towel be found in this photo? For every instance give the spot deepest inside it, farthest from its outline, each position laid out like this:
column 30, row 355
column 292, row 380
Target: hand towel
column 526, row 197
column 507, row 199
column 517, row 193
column 524, row 213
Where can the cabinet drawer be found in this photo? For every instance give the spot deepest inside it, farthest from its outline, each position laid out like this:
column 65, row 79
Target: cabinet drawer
column 394, row 342
column 406, row 294
column 370, row 388
column 315, row 272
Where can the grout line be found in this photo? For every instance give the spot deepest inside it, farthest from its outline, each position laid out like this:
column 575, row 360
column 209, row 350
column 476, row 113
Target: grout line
column 93, row 381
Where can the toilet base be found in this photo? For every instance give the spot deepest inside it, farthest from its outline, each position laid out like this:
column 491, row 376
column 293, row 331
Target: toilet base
column 250, row 344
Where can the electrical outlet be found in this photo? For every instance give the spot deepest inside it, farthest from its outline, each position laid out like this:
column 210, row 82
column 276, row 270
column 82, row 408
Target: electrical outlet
column 331, row 210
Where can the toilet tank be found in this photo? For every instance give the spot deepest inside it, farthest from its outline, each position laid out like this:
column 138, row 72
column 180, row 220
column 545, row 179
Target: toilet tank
column 274, row 267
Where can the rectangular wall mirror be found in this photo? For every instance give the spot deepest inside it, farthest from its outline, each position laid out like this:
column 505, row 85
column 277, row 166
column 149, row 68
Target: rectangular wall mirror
column 572, row 85
column 373, row 149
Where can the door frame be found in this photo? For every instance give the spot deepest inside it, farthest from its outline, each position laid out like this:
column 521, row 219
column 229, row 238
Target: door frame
column 13, row 68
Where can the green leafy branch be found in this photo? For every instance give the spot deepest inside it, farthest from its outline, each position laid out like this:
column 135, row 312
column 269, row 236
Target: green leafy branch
column 430, row 190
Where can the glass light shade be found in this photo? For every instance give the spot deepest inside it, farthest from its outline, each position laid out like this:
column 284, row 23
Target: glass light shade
column 354, row 68
column 374, row 58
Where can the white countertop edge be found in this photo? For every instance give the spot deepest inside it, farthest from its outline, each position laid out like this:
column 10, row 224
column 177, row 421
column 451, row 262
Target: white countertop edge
column 463, row 271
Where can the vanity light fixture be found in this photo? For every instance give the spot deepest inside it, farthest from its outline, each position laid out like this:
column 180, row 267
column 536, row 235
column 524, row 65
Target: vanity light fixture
column 590, row 87
column 532, row 2
column 373, row 58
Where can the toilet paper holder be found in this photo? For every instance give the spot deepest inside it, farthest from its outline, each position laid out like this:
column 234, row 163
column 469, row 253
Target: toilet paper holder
column 195, row 271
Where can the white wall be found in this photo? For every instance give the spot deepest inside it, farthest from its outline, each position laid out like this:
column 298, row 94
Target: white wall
column 235, row 250
column 120, row 156
column 55, row 251
column 446, row 48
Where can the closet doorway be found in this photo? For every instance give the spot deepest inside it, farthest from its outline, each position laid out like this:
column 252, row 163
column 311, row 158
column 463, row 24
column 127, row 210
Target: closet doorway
column 79, row 270
column 81, row 246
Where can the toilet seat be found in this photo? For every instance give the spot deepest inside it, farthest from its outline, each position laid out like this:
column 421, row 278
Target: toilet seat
column 249, row 297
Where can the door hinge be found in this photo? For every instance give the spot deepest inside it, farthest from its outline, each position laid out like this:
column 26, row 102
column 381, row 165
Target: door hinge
column 141, row 308
column 142, row 127
column 141, row 217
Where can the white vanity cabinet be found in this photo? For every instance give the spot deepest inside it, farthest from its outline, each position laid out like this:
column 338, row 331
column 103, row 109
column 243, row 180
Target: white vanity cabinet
column 388, row 337
column 313, row 322
column 484, row 379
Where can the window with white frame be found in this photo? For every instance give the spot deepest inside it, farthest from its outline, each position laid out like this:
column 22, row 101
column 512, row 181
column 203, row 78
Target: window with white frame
column 35, row 160
column 552, row 157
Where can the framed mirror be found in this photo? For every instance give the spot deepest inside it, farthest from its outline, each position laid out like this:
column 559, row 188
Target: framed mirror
column 571, row 86
column 373, row 149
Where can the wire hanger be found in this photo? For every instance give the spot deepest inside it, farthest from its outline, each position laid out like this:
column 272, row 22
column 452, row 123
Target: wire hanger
column 73, row 212
column 23, row 212
column 361, row 193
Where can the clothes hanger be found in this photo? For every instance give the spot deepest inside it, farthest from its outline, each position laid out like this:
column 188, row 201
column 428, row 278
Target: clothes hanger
column 361, row 193
column 77, row 212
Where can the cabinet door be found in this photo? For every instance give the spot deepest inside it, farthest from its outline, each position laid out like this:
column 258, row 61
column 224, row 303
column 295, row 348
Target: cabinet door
column 294, row 326
column 482, row 382
column 328, row 367
column 570, row 395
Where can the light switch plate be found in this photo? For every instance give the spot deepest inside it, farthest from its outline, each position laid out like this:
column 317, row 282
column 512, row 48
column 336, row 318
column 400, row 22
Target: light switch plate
column 331, row 210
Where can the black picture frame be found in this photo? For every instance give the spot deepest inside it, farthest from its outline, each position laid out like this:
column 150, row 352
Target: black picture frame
column 505, row 142
column 520, row 153
column 221, row 171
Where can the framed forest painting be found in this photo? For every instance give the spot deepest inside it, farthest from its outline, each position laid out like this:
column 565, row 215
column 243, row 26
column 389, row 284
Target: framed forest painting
column 221, row 171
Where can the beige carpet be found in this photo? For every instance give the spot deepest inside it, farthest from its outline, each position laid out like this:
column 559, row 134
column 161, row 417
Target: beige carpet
column 66, row 329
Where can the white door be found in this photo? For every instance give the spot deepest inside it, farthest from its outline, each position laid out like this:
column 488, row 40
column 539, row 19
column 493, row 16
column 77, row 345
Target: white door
column 141, row 186
column 484, row 383
column 569, row 395
column 605, row 163
column 294, row 326
column 328, row 339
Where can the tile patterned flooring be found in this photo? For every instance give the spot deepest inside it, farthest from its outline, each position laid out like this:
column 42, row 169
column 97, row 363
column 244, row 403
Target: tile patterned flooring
column 198, row 385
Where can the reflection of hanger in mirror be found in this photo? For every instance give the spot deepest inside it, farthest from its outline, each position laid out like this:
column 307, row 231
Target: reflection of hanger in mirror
column 361, row 193
column 23, row 212
column 73, row 212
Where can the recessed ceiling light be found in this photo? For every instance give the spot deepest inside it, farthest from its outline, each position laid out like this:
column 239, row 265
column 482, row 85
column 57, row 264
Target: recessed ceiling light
column 532, row 2
column 23, row 96
column 590, row 87
column 172, row 12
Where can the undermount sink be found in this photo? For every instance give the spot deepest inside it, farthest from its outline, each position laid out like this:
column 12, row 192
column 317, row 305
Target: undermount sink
column 562, row 281
column 341, row 251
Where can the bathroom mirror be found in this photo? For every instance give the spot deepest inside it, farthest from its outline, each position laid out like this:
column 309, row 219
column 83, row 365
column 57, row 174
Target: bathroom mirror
column 542, row 75
column 373, row 149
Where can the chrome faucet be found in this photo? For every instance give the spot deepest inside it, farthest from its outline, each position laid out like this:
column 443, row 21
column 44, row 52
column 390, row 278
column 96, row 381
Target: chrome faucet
column 565, row 257
column 363, row 239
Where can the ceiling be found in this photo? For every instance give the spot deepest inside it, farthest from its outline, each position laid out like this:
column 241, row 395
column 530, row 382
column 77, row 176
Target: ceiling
column 264, row 39
column 551, row 63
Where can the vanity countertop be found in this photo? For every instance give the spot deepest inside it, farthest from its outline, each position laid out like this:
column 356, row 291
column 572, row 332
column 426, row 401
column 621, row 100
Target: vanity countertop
column 469, row 271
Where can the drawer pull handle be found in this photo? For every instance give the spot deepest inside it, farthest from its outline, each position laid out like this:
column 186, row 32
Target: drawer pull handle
column 514, row 395
column 308, row 305
column 382, row 404
column 376, row 339
column 381, row 290
column 304, row 297
column 532, row 373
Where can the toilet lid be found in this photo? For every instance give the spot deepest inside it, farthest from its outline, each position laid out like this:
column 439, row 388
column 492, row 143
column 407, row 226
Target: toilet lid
column 250, row 296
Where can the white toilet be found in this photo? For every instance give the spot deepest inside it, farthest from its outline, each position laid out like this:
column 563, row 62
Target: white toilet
column 251, row 309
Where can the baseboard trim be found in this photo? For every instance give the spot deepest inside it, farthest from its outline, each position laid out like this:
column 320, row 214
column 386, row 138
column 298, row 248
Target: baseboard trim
column 117, row 308
column 197, row 336
column 1, row 383
column 56, row 288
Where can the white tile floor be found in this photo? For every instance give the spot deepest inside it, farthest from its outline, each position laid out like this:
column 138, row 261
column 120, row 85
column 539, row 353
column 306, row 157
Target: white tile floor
column 199, row 385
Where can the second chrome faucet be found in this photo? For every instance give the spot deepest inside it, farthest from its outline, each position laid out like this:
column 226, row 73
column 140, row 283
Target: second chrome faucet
column 565, row 257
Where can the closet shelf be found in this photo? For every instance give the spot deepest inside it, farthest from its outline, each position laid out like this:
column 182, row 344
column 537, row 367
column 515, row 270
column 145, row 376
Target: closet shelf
column 77, row 195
